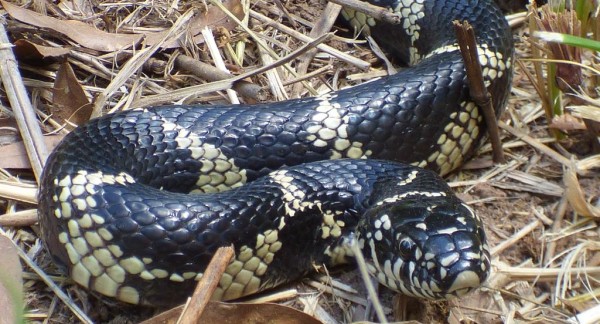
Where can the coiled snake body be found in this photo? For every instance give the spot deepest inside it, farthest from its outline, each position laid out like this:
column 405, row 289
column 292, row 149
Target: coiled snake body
column 117, row 207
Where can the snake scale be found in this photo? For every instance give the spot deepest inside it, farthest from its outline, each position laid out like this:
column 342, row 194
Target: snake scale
column 291, row 184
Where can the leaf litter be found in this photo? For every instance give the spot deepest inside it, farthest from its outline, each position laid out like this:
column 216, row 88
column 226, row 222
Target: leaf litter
column 539, row 209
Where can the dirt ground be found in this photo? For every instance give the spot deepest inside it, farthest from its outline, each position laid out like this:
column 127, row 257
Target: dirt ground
column 545, row 260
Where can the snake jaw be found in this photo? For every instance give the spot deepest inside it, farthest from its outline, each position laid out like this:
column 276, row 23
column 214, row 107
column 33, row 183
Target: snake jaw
column 429, row 252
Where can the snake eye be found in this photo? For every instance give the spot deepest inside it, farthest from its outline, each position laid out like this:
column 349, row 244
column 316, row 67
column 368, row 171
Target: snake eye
column 406, row 246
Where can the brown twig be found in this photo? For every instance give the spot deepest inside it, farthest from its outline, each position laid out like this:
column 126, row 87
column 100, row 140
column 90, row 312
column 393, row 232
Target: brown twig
column 321, row 27
column 206, row 286
column 21, row 218
column 323, row 47
column 223, row 84
column 137, row 61
column 21, row 106
column 211, row 73
column 536, row 144
column 309, row 75
column 262, row 44
column 468, row 48
column 378, row 13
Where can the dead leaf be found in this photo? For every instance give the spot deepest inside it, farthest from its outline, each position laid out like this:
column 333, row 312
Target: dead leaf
column 467, row 309
column 240, row 313
column 15, row 157
column 567, row 122
column 575, row 194
column 69, row 102
column 82, row 33
column 9, row 131
column 11, row 283
column 90, row 37
column 214, row 18
column 27, row 50
column 590, row 112
column 479, row 163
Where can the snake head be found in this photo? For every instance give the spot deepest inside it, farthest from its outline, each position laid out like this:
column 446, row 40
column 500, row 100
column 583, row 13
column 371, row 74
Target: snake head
column 430, row 247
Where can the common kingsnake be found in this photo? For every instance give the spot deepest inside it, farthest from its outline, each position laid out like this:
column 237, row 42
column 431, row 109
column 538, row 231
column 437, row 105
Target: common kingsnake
column 116, row 200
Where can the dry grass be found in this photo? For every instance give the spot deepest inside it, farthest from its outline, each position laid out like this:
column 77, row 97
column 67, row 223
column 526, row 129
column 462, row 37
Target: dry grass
column 545, row 254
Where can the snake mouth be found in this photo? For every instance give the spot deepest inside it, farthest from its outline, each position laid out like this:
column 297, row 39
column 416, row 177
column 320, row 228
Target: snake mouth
column 431, row 280
column 426, row 283
column 465, row 282
column 452, row 274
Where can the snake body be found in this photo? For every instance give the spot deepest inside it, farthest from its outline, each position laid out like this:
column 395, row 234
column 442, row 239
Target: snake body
column 290, row 184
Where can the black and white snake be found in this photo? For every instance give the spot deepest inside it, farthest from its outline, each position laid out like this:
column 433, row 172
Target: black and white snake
column 117, row 203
